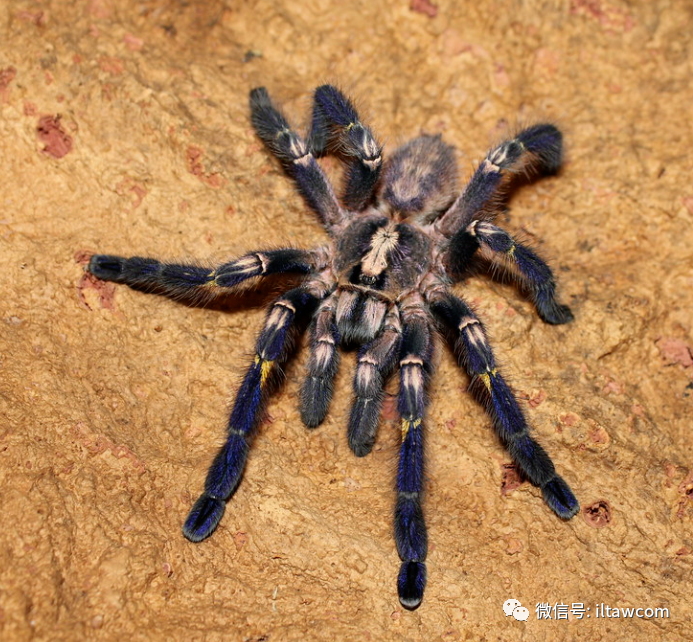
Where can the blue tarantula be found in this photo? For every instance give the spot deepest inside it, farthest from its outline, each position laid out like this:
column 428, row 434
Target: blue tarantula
column 401, row 236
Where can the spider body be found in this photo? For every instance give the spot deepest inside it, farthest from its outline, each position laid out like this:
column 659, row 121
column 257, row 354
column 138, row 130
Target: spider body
column 401, row 236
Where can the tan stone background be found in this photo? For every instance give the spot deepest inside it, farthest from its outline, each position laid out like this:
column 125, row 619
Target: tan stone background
column 124, row 129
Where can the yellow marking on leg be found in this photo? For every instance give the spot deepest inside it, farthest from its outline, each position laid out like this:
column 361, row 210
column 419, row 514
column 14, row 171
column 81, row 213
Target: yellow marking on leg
column 265, row 369
column 407, row 425
column 511, row 251
column 349, row 127
column 486, row 378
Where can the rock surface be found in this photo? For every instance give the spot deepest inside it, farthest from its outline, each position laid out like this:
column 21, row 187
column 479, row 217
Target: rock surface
column 124, row 129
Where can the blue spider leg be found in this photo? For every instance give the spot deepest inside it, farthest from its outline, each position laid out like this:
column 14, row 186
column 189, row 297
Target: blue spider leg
column 539, row 146
column 410, row 528
column 181, row 279
column 509, row 421
column 316, row 392
column 336, row 123
column 528, row 266
column 375, row 362
column 274, row 130
column 226, row 470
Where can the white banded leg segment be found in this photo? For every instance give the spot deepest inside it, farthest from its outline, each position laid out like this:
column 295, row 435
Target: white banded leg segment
column 527, row 266
column 502, row 406
column 410, row 528
column 539, row 146
column 273, row 128
column 317, row 389
column 190, row 280
column 228, row 465
column 375, row 363
column 336, row 124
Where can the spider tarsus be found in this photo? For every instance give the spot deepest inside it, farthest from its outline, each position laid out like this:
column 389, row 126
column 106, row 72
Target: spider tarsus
column 560, row 498
column 411, row 584
column 363, row 425
column 203, row 518
column 555, row 314
column 107, row 267
column 545, row 141
column 316, row 395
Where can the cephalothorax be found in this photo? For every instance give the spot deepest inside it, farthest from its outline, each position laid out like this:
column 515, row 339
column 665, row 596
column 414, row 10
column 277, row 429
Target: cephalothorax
column 401, row 236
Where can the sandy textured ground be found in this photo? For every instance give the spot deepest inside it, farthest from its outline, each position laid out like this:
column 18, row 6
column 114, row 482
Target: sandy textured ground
column 124, row 129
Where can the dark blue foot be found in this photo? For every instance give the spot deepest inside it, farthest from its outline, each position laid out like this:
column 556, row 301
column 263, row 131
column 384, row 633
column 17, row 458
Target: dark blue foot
column 203, row 518
column 107, row 267
column 560, row 498
column 554, row 313
column 363, row 426
column 411, row 583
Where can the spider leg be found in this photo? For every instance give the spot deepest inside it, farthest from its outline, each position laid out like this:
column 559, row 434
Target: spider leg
column 507, row 416
column 336, row 122
column 273, row 128
column 539, row 145
column 530, row 268
column 375, row 362
column 410, row 528
column 316, row 392
column 226, row 470
column 189, row 279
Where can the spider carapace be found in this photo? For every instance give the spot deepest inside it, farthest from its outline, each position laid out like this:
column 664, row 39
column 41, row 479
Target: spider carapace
column 402, row 235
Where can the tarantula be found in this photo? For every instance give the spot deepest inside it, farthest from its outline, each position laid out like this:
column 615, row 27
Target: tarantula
column 401, row 236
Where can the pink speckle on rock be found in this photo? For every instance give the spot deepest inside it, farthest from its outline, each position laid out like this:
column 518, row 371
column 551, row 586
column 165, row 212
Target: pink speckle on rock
column 510, row 480
column 569, row 419
column 36, row 17
column 100, row 9
column 537, row 398
column 424, row 6
column 547, row 61
column 194, row 156
column 613, row 387
column 7, row 75
column 500, row 75
column 57, row 141
column 597, row 515
column 129, row 186
column 610, row 17
column 133, row 42
column 111, row 65
column 240, row 539
column 104, row 290
column 675, row 351
column 453, row 44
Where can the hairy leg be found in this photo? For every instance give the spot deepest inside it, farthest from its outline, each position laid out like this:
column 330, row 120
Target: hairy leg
column 316, row 392
column 180, row 279
column 525, row 264
column 273, row 128
column 336, row 124
column 226, row 470
column 539, row 146
column 507, row 416
column 375, row 362
column 410, row 528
